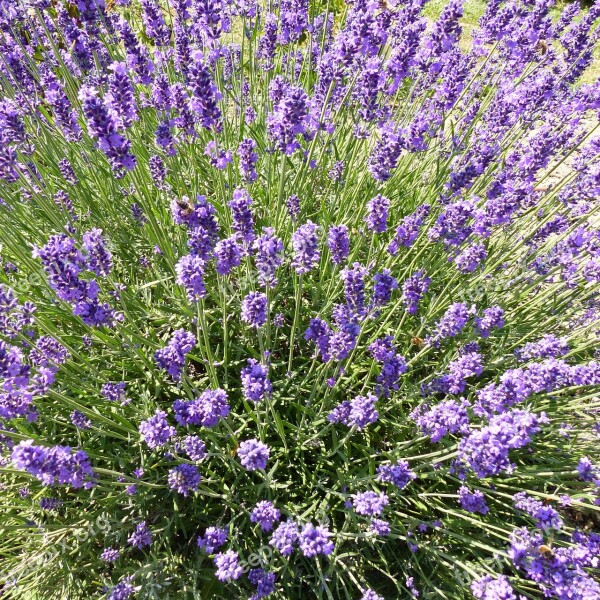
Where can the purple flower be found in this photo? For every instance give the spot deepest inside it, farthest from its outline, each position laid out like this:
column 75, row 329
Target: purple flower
column 57, row 464
column 377, row 214
column 253, row 454
column 354, row 288
column 465, row 366
column 172, row 357
column 80, row 420
column 305, row 245
column 371, row 595
column 242, row 219
column 285, row 536
column 64, row 114
column 213, row 538
column 408, row 230
column 315, row 540
column 289, row 117
column 141, row 537
column 184, row 479
column 294, row 20
column 549, row 346
column 393, row 365
column 586, row 469
column 268, row 256
column 121, row 96
column 493, row 398
column 320, row 333
column 154, row 23
column 265, row 514
column 452, row 322
column 255, row 381
column 451, row 226
column 370, row 503
column 486, row 450
column 337, row 171
column 248, row 158
column 205, row 95
column 50, row 503
column 66, row 170
column 339, row 243
column 383, row 286
column 138, row 214
column 358, row 412
column 165, row 139
column 158, row 171
column 473, row 502
column 379, row 527
column 210, row 21
column 110, row 555
column 156, row 431
column 137, row 55
column 254, row 309
column 293, row 206
column 219, row 158
column 48, row 352
column 227, row 256
column 205, row 411
column 115, row 392
column 63, row 263
column 413, row 290
column 228, row 566
column 561, row 575
column 103, row 125
column 400, row 474
column 194, row 447
column 488, row 588
column 386, row 153
column 190, row 274
column 493, row 318
column 122, row 590
column 470, row 258
column 546, row 517
column 264, row 582
column 446, row 417
column 268, row 42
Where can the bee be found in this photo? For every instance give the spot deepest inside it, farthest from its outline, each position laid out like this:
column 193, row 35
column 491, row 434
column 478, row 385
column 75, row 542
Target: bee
column 546, row 552
column 542, row 46
column 387, row 5
column 541, row 188
column 186, row 206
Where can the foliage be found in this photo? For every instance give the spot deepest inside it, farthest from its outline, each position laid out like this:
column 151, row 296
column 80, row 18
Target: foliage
column 298, row 307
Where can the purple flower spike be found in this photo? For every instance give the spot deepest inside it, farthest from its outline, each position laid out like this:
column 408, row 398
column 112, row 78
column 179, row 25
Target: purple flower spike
column 184, row 479
column 254, row 309
column 253, row 454
column 255, row 381
column 377, row 214
column 305, row 244
column 228, row 566
column 172, row 357
column 156, row 431
column 315, row 540
column 265, row 514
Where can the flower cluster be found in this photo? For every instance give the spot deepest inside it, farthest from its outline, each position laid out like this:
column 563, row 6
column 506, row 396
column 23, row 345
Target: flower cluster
column 314, row 288
column 57, row 464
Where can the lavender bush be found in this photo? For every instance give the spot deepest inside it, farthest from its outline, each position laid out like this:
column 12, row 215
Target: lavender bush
column 298, row 301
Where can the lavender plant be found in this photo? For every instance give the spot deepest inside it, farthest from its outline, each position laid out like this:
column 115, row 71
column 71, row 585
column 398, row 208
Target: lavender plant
column 298, row 300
